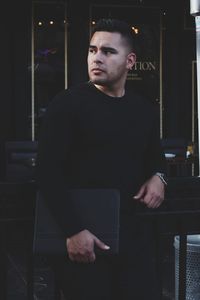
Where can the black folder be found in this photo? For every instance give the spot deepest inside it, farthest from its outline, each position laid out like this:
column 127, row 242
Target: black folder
column 98, row 210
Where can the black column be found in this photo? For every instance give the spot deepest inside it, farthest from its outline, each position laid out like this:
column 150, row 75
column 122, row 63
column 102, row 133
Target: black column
column 78, row 39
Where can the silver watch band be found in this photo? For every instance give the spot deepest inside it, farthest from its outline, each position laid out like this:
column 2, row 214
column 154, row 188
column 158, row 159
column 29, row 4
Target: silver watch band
column 162, row 177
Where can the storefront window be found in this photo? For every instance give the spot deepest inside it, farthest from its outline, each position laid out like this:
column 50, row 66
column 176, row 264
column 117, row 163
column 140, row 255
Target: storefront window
column 49, row 61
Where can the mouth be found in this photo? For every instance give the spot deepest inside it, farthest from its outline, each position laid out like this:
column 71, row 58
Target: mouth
column 96, row 71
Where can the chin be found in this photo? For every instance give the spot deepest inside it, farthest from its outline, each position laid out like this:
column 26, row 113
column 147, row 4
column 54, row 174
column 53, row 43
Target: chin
column 98, row 81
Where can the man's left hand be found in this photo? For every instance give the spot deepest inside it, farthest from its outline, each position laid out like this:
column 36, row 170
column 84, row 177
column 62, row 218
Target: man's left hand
column 151, row 192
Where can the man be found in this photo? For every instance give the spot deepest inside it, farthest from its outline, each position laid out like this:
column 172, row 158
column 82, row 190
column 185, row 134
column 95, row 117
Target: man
column 100, row 135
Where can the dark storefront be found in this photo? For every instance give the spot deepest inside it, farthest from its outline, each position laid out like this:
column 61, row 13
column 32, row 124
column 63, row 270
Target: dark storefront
column 166, row 58
column 44, row 46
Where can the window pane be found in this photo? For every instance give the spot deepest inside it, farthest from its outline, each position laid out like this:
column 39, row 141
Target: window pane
column 49, row 25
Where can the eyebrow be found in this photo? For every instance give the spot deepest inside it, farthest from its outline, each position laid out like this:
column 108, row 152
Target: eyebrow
column 104, row 48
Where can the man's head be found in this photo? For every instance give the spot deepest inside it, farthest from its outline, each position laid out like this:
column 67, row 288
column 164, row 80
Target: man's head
column 110, row 55
column 114, row 25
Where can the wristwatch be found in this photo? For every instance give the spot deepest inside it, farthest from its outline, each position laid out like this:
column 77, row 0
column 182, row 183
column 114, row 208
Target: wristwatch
column 162, row 177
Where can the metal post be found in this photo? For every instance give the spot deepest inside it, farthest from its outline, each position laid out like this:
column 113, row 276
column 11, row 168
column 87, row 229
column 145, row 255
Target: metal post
column 195, row 11
column 195, row 7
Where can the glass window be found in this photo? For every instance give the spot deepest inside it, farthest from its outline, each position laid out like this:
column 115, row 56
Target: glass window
column 48, row 57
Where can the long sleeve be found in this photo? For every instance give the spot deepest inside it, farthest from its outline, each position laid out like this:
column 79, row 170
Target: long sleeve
column 90, row 140
column 53, row 163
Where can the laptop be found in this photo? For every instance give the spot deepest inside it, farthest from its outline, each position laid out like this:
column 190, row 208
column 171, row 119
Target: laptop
column 99, row 210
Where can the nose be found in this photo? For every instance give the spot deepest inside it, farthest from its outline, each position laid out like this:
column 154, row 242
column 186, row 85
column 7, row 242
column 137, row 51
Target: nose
column 98, row 58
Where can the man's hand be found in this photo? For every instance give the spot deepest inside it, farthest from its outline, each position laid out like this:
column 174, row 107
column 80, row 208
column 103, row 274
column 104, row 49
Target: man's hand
column 80, row 246
column 151, row 192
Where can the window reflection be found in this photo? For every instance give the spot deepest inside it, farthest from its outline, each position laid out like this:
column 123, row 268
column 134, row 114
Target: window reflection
column 49, row 28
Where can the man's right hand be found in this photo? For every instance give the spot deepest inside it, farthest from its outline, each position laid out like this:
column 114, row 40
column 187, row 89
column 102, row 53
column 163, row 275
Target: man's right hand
column 80, row 246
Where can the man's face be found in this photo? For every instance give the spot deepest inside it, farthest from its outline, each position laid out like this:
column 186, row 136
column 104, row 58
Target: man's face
column 109, row 59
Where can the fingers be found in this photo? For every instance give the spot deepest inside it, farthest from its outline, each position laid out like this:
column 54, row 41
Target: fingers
column 80, row 247
column 88, row 257
column 152, row 201
column 140, row 194
column 100, row 244
column 151, row 193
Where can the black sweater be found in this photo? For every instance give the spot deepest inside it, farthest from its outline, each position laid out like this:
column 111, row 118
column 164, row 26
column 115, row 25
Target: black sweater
column 89, row 139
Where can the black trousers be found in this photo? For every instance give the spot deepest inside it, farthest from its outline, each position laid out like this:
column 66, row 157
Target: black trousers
column 130, row 275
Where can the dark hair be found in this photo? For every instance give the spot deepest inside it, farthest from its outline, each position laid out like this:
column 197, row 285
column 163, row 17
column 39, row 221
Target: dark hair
column 114, row 25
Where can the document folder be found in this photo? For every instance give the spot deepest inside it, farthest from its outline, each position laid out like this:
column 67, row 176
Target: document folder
column 98, row 210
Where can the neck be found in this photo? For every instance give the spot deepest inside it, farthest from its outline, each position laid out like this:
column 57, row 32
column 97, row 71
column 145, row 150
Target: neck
column 112, row 92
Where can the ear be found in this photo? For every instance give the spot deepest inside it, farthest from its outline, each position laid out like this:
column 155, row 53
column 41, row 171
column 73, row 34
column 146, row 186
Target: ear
column 131, row 59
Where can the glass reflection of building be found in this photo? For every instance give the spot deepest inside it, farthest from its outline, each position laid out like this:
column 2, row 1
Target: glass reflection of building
column 48, row 57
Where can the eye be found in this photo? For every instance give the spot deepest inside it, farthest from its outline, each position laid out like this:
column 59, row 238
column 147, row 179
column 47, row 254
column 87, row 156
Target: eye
column 108, row 51
column 91, row 50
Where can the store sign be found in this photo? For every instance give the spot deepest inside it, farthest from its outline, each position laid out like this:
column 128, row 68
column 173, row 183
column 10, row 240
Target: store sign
column 144, row 66
column 140, row 68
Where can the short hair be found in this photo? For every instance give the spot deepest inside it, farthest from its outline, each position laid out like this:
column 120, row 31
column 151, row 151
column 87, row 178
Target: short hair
column 115, row 25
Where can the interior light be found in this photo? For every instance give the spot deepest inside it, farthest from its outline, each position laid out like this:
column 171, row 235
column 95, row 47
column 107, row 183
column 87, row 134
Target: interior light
column 136, row 30
column 51, row 22
column 93, row 22
column 40, row 23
